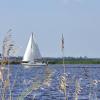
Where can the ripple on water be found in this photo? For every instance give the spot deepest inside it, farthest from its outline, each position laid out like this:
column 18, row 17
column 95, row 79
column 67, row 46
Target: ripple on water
column 26, row 77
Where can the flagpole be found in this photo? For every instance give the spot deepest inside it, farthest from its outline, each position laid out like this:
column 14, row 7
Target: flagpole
column 63, row 60
column 64, row 66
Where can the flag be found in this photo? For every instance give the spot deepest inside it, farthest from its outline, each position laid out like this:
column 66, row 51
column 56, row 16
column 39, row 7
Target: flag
column 62, row 45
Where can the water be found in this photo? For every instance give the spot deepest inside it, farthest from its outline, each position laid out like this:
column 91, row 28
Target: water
column 43, row 83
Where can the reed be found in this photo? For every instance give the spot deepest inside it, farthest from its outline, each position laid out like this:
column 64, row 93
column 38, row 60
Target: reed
column 77, row 89
column 8, row 49
column 29, row 90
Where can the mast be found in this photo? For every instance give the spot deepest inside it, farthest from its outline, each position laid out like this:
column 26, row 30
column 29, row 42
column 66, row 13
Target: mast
column 32, row 58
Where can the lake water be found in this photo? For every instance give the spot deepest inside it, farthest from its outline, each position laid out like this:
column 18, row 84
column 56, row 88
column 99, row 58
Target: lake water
column 44, row 83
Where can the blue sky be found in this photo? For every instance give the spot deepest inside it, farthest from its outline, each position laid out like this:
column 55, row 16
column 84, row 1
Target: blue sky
column 78, row 20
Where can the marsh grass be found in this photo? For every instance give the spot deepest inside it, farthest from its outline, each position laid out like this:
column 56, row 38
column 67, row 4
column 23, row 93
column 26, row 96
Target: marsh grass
column 8, row 49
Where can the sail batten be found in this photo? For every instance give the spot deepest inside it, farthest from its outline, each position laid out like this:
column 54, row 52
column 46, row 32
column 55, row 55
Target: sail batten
column 32, row 51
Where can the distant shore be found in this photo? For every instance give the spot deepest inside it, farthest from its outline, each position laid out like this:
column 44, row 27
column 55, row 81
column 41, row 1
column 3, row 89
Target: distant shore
column 67, row 60
column 76, row 62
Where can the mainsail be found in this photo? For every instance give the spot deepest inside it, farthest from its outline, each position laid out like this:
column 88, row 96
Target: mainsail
column 32, row 51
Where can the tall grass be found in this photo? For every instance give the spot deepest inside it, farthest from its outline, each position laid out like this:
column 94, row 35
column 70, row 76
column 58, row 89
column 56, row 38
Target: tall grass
column 8, row 49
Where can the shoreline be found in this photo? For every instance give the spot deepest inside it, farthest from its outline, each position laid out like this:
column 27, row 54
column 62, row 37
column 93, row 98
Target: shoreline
column 52, row 61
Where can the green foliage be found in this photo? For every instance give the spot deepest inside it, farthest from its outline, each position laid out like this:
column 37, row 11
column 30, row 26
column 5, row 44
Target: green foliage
column 76, row 61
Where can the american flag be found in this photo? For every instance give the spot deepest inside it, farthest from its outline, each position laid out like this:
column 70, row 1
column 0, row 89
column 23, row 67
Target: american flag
column 62, row 45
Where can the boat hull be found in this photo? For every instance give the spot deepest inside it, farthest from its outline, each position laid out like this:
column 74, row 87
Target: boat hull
column 34, row 65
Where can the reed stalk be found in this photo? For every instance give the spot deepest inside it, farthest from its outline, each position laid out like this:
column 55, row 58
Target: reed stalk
column 7, row 49
column 77, row 89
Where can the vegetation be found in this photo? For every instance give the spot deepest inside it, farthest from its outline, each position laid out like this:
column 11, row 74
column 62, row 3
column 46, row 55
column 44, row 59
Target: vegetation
column 74, row 61
column 7, row 49
column 18, row 60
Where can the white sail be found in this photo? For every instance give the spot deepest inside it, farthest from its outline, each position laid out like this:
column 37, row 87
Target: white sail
column 32, row 51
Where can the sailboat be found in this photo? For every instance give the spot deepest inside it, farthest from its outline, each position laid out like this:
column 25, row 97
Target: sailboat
column 32, row 54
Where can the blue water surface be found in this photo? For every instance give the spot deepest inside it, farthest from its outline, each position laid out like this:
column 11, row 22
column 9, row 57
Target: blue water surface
column 43, row 83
